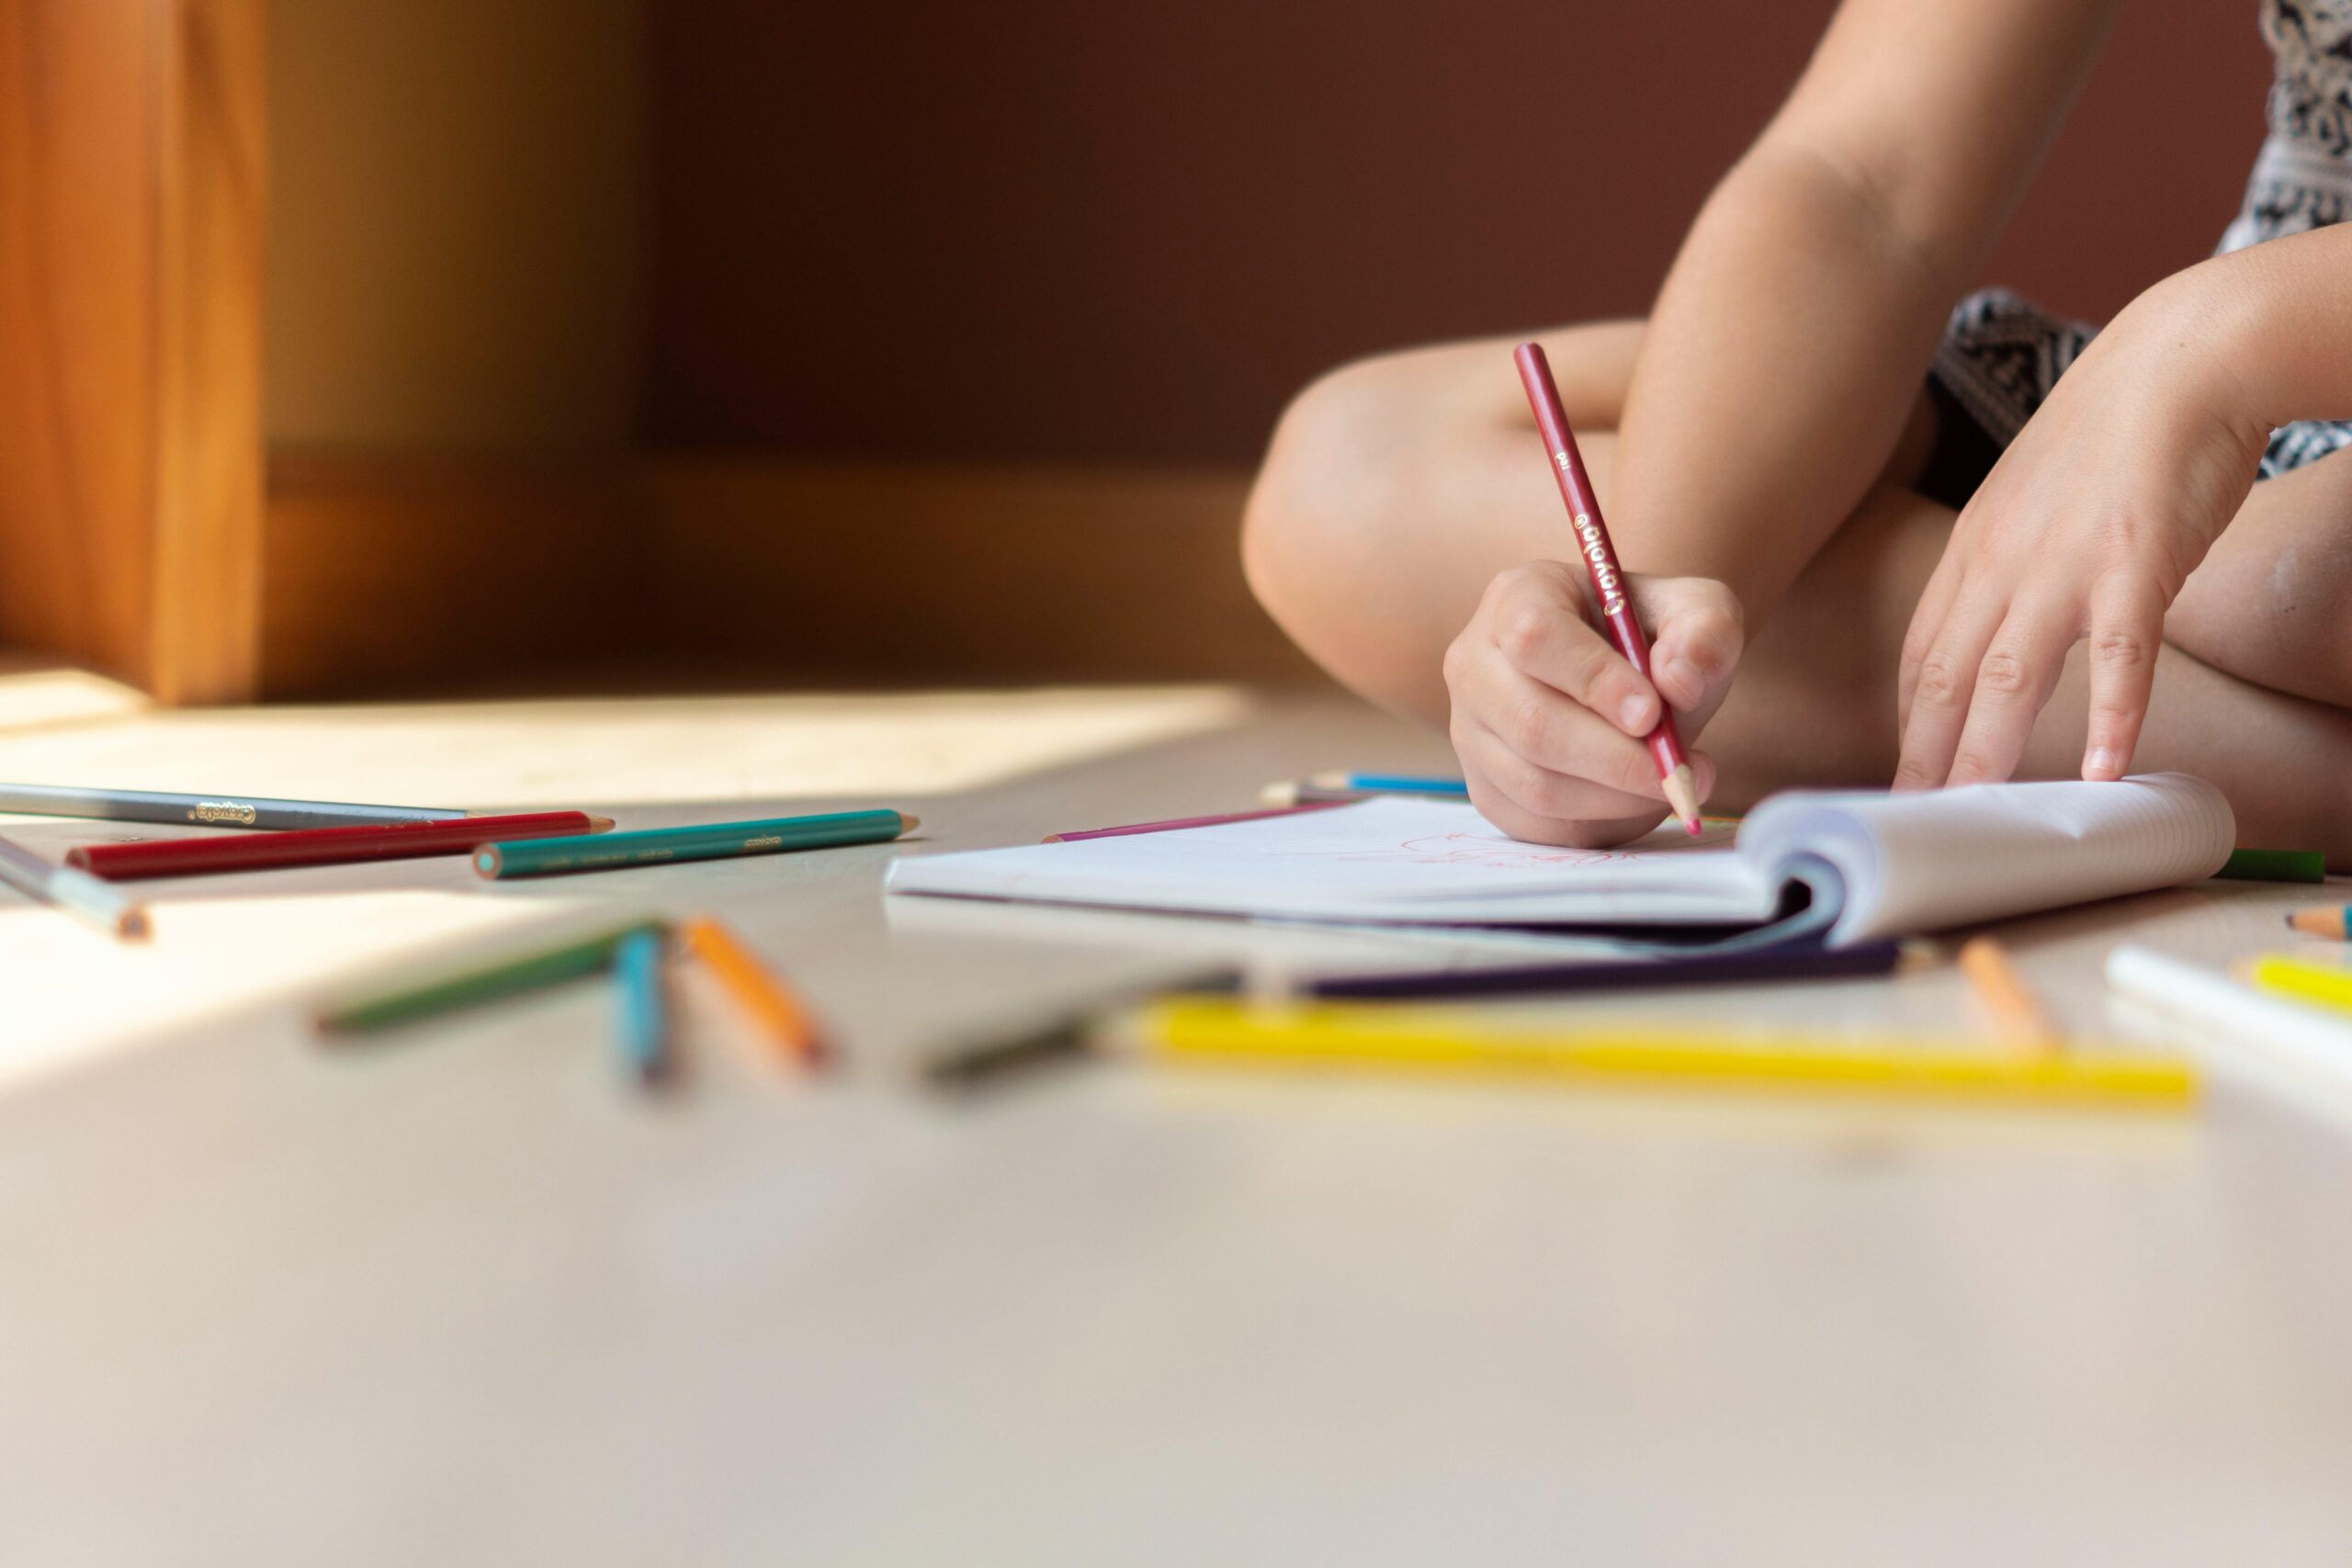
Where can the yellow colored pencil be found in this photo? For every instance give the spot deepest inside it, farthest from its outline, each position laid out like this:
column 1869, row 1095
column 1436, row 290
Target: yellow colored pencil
column 1439, row 1039
column 2329, row 985
column 757, row 990
column 2015, row 1008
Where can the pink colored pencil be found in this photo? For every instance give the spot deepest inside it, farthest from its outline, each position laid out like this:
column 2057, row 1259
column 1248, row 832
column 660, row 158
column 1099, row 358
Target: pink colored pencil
column 1608, row 580
column 1175, row 822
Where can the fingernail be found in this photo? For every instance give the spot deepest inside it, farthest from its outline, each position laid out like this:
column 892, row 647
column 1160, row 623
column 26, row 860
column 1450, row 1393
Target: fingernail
column 2104, row 759
column 1685, row 675
column 1633, row 713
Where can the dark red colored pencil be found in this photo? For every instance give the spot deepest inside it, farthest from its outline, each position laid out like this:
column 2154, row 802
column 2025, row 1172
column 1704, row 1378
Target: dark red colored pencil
column 202, row 856
column 1608, row 580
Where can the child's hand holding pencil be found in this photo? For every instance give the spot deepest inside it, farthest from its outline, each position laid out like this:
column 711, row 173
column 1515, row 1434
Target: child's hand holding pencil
column 1556, row 682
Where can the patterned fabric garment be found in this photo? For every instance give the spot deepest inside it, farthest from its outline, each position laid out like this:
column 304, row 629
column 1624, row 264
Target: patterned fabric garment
column 2000, row 356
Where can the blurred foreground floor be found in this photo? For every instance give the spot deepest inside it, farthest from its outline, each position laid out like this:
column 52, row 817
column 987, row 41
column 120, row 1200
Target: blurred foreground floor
column 462, row 1298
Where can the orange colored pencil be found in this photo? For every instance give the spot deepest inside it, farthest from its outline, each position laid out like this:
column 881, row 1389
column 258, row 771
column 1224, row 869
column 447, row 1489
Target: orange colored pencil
column 758, row 990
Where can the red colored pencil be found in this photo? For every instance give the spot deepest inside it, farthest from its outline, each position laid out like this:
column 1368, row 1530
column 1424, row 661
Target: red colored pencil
column 1608, row 580
column 202, row 856
column 1175, row 822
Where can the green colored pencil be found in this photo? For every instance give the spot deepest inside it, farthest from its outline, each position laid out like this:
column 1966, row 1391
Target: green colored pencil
column 448, row 987
column 2275, row 865
column 715, row 841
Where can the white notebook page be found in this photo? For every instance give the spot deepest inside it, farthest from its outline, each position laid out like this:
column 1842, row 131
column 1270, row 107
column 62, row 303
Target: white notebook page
column 1388, row 858
column 1880, row 864
column 1933, row 858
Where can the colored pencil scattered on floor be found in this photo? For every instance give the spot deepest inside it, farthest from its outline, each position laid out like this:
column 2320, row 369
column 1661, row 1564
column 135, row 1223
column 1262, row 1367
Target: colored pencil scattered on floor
column 204, row 856
column 781, row 1015
column 1446, row 1040
column 1009, row 1048
column 1391, row 783
column 2316, row 1042
column 1339, row 788
column 1290, row 794
column 641, row 1004
column 2016, row 1010
column 2330, row 922
column 714, row 840
column 207, row 810
column 1174, row 824
column 424, row 991
column 1699, row 968
column 2284, row 975
column 2275, row 865
column 75, row 892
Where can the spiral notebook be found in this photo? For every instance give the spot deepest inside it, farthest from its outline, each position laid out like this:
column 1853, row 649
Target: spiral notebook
column 1840, row 867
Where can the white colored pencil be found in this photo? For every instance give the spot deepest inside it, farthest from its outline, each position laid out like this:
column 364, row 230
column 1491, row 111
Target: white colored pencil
column 2248, row 1024
column 75, row 892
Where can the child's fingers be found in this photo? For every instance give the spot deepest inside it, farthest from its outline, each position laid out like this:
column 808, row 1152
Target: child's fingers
column 1699, row 634
column 1926, row 619
column 1540, row 806
column 1608, row 772
column 1543, row 632
column 2022, row 667
column 2127, row 627
column 1945, row 684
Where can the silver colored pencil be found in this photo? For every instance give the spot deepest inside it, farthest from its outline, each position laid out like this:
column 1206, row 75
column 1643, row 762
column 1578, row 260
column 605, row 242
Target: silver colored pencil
column 208, row 811
column 75, row 892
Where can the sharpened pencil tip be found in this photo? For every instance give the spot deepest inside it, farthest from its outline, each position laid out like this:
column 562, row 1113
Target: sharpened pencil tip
column 1682, row 793
column 908, row 822
column 599, row 824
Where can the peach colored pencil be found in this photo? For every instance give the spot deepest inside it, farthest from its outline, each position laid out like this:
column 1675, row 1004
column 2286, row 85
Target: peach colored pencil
column 2006, row 995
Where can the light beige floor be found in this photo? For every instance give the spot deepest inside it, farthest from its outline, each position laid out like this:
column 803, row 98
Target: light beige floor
column 223, row 944
column 463, row 1298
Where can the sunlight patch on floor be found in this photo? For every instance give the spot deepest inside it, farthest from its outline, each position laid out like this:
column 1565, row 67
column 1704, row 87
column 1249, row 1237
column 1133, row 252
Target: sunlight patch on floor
column 35, row 697
column 635, row 749
column 75, row 993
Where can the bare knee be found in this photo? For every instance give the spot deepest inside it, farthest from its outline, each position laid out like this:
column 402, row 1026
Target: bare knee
column 1327, row 499
column 1395, row 487
column 1314, row 488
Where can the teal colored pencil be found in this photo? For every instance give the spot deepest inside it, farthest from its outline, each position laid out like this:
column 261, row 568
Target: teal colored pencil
column 1391, row 783
column 641, row 1006
column 715, row 840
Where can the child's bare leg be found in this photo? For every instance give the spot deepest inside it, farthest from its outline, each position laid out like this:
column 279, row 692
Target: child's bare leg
column 1396, row 489
column 2272, row 603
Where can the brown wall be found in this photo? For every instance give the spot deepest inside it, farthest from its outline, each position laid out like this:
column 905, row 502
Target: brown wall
column 456, row 234
column 1066, row 230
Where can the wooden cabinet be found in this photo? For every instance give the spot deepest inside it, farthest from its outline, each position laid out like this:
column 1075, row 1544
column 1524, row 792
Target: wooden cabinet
column 324, row 333
column 132, row 200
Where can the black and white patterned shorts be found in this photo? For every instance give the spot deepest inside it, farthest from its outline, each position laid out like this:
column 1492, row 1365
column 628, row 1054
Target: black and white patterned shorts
column 2000, row 358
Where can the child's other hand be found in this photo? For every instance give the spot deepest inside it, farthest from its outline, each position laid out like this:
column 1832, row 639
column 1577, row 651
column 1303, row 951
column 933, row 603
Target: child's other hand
column 1549, row 719
column 2086, row 528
